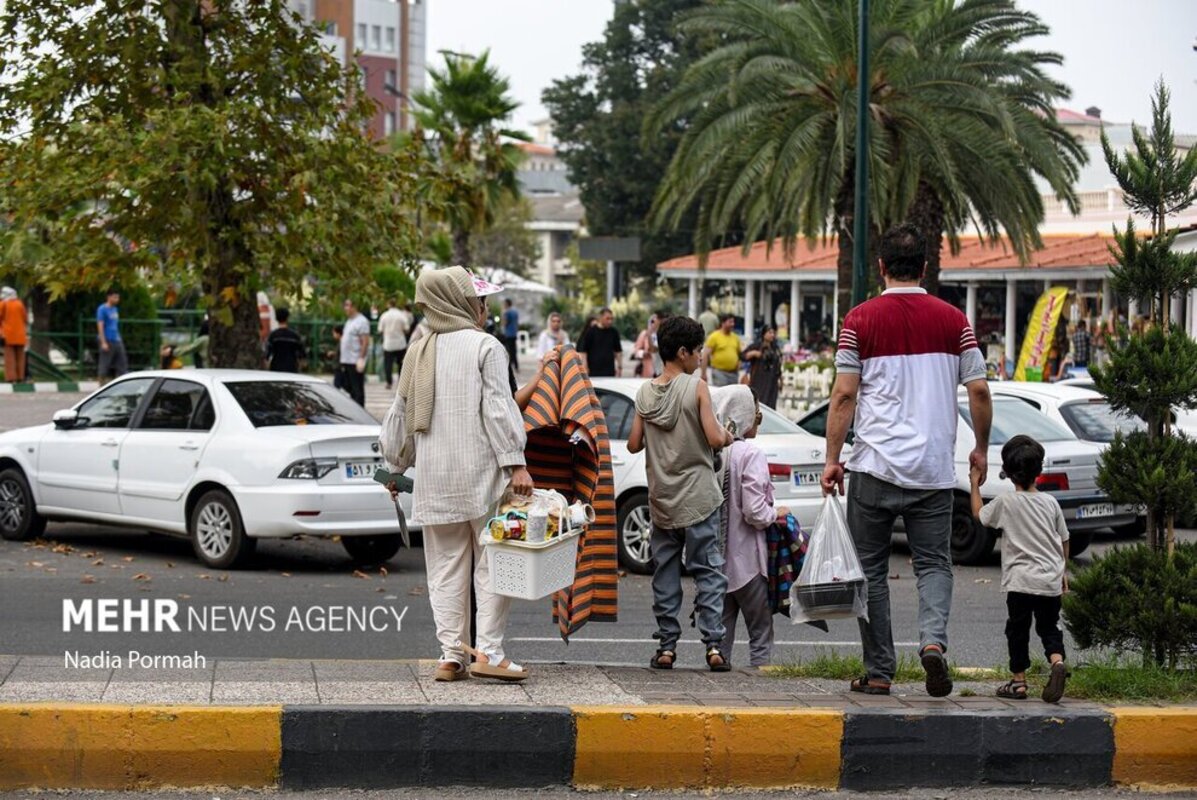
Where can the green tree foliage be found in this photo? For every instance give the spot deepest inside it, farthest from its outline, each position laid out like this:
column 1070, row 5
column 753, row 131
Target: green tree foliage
column 206, row 142
column 1137, row 599
column 768, row 146
column 461, row 118
column 598, row 117
column 1157, row 370
column 508, row 243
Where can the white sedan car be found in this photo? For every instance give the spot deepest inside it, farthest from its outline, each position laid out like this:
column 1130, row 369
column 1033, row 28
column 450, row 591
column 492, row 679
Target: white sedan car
column 795, row 464
column 1069, row 473
column 224, row 457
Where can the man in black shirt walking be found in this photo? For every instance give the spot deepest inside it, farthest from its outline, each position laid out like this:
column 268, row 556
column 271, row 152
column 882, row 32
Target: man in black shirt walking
column 284, row 347
column 601, row 350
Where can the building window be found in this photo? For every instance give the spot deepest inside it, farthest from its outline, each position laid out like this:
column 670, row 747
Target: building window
column 376, row 36
column 390, row 40
column 390, row 78
column 388, row 123
column 361, row 35
column 330, row 28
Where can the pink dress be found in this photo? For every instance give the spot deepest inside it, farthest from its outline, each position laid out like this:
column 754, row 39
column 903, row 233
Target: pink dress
column 644, row 368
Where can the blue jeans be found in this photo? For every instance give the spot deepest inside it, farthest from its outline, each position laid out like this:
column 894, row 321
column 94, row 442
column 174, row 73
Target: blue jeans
column 873, row 505
column 705, row 562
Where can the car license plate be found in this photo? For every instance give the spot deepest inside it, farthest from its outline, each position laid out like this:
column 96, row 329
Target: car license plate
column 807, row 478
column 1095, row 510
column 360, row 470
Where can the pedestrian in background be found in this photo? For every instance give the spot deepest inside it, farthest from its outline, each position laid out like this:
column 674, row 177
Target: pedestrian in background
column 644, row 349
column 454, row 419
column 675, row 422
column 394, row 325
column 14, row 330
column 1034, row 560
column 601, row 348
column 284, row 347
column 722, row 354
column 900, row 358
column 511, row 332
column 551, row 337
column 113, row 360
column 764, row 367
column 355, row 344
column 1081, row 345
column 709, row 320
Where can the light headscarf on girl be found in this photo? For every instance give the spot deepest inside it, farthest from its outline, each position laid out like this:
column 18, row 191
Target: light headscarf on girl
column 735, row 404
column 448, row 300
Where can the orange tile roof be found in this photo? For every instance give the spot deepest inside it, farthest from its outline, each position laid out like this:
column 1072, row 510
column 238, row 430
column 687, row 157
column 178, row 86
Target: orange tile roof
column 1059, row 251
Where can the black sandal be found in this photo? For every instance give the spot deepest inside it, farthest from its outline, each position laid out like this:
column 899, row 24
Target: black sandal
column 864, row 686
column 939, row 678
column 713, row 652
column 658, row 662
column 1013, row 690
column 1054, row 689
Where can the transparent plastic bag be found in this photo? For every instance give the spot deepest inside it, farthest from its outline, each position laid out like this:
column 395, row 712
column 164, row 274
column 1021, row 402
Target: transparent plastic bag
column 831, row 584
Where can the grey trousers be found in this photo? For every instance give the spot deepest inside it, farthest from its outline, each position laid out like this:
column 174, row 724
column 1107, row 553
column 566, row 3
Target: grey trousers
column 705, row 562
column 873, row 505
column 751, row 600
column 721, row 377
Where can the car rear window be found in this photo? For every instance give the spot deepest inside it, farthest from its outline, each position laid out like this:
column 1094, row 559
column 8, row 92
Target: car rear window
column 1012, row 417
column 1097, row 422
column 274, row 403
column 773, row 423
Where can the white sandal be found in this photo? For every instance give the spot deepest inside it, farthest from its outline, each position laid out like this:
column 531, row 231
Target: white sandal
column 450, row 669
column 494, row 665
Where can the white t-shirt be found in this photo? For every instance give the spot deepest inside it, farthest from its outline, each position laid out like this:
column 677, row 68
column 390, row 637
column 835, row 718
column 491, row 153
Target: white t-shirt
column 393, row 326
column 351, row 343
column 1033, row 537
column 548, row 341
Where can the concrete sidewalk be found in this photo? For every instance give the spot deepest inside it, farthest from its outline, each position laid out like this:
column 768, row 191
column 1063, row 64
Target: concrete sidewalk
column 256, row 682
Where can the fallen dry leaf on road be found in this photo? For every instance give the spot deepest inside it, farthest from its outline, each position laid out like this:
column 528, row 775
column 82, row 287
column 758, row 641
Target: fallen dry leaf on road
column 127, row 558
column 170, row 564
column 983, row 580
column 203, row 576
column 87, row 579
column 141, row 576
column 416, row 590
column 91, row 554
column 99, row 562
column 62, row 548
column 184, row 596
column 383, row 571
column 223, row 578
column 35, row 564
column 381, row 589
column 285, row 574
column 357, row 573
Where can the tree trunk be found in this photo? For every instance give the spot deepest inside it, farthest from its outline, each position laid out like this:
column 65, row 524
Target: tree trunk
column 39, row 306
column 461, row 248
column 926, row 212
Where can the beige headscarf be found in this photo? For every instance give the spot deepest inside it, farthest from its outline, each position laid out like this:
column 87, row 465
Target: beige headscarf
column 446, row 296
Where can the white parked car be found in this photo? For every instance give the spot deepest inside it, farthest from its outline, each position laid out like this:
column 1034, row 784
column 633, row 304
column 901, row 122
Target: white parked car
column 1186, row 418
column 795, row 464
column 1069, row 473
column 224, row 457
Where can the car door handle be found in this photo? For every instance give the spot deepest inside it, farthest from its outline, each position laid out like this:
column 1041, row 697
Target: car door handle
column 189, row 446
column 110, row 443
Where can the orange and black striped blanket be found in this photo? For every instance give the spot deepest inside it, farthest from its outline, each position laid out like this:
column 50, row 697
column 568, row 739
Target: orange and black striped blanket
column 569, row 451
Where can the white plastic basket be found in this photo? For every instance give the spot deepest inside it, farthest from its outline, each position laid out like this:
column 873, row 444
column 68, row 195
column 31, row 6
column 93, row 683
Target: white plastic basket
column 532, row 570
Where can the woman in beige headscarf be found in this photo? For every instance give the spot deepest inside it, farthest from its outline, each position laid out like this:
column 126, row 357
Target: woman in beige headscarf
column 455, row 421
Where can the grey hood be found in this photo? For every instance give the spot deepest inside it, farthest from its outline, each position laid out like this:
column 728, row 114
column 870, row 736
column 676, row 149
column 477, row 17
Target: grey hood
column 662, row 405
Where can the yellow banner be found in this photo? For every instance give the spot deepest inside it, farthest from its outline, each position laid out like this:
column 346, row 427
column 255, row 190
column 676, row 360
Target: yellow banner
column 1038, row 342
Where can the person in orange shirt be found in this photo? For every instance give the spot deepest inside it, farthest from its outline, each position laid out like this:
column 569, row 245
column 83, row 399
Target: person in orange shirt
column 14, row 321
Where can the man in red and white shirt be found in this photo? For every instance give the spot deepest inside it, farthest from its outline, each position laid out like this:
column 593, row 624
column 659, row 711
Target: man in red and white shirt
column 900, row 358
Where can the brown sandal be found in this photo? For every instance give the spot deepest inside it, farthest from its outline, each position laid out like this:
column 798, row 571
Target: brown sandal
column 866, row 686
column 716, row 661
column 493, row 665
column 448, row 670
column 663, row 659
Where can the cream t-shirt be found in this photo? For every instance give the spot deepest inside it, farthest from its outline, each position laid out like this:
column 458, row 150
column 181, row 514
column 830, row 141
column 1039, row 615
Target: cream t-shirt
column 1033, row 537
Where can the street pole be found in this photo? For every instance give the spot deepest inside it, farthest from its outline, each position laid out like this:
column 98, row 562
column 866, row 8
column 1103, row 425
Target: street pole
column 404, row 61
column 860, row 226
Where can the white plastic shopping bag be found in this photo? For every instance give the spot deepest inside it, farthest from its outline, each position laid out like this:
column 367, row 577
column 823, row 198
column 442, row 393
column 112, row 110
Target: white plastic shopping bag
column 832, row 582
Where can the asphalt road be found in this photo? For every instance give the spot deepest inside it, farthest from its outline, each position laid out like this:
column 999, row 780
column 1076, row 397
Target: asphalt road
column 314, row 579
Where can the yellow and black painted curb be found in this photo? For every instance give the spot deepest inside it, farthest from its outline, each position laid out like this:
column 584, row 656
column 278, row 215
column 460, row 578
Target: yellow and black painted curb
column 46, row 745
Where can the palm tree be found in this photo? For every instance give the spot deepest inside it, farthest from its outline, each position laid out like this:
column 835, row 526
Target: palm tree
column 462, row 117
column 961, row 123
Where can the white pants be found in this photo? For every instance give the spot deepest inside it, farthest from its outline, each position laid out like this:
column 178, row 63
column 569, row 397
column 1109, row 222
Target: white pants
column 447, row 551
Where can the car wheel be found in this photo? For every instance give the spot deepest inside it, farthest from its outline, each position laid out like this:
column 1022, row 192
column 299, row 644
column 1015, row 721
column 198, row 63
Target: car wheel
column 1136, row 528
column 217, row 534
column 972, row 542
column 370, row 550
column 635, row 534
column 1078, row 542
column 19, row 519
